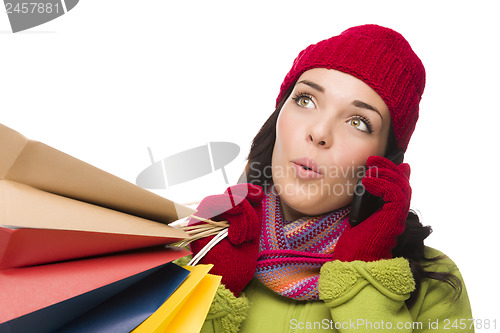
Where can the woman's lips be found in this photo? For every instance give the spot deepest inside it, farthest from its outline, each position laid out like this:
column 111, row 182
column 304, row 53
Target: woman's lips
column 306, row 168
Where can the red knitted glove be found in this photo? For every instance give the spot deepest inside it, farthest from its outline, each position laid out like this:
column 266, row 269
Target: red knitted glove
column 235, row 257
column 374, row 238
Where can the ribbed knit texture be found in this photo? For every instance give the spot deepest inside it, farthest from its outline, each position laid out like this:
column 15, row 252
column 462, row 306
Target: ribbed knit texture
column 292, row 253
column 340, row 281
column 381, row 58
column 230, row 310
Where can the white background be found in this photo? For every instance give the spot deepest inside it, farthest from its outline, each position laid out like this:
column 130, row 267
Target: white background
column 111, row 78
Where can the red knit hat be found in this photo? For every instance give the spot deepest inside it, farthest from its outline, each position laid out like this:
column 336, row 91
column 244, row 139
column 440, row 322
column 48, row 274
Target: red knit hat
column 381, row 58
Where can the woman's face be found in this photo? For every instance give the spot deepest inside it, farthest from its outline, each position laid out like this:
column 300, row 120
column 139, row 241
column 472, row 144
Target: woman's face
column 328, row 127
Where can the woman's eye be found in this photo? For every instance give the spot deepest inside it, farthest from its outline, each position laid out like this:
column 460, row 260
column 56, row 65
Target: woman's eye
column 305, row 102
column 360, row 124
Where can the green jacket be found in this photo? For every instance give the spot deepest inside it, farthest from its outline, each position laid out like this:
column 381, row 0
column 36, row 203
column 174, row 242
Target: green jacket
column 355, row 297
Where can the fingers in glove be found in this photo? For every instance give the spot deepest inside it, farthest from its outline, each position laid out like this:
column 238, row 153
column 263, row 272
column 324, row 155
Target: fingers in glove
column 387, row 189
column 380, row 162
column 243, row 220
column 396, row 186
column 405, row 169
column 244, row 226
column 387, row 174
column 253, row 193
column 213, row 206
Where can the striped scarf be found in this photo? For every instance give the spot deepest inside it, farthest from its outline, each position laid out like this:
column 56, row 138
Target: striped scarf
column 292, row 253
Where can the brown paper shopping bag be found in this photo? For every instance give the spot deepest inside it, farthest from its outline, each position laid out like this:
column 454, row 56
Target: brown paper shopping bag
column 89, row 211
column 42, row 167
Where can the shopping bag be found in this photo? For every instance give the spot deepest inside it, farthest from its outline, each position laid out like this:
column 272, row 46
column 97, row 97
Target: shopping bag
column 46, row 297
column 28, row 207
column 43, row 188
column 20, row 247
column 42, row 167
column 186, row 310
column 96, row 230
column 126, row 310
column 192, row 314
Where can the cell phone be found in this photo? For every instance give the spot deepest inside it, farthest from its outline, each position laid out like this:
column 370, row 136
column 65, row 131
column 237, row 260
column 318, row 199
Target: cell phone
column 364, row 204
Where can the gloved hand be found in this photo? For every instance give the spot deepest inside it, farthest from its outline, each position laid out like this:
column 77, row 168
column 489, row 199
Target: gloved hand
column 374, row 238
column 235, row 257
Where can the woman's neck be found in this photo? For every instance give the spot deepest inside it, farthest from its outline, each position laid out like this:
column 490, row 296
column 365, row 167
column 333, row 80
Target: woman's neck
column 289, row 214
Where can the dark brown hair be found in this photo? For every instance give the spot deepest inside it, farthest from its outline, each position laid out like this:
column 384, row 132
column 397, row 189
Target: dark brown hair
column 410, row 244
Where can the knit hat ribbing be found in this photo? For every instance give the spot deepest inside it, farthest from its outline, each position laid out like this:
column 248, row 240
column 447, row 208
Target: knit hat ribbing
column 380, row 57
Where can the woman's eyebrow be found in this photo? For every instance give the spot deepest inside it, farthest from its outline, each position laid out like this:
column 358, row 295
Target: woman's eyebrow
column 313, row 85
column 356, row 103
column 364, row 105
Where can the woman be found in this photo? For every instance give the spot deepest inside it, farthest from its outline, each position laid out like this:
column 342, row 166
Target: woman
column 347, row 102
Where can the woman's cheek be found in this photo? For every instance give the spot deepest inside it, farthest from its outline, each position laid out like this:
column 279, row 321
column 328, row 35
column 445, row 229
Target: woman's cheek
column 286, row 128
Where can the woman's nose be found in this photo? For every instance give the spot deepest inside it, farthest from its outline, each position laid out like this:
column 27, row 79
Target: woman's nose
column 320, row 135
